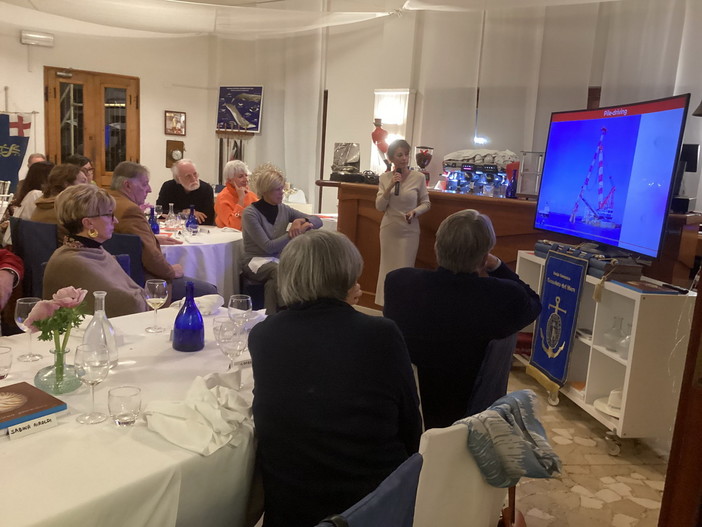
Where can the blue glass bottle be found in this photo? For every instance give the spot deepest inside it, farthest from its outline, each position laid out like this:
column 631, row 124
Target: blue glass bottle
column 191, row 224
column 189, row 329
column 153, row 222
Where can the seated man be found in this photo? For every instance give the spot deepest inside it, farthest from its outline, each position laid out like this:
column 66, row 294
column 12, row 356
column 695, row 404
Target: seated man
column 450, row 314
column 185, row 190
column 130, row 186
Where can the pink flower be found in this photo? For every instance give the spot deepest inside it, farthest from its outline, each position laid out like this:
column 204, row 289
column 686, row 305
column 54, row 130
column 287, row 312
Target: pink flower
column 41, row 311
column 69, row 296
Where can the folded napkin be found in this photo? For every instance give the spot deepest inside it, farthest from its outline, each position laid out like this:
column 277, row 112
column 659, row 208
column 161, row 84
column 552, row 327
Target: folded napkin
column 259, row 261
column 207, row 304
column 214, row 413
column 229, row 229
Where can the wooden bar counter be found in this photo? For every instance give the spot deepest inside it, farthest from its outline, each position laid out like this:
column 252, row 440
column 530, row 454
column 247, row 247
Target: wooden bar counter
column 360, row 221
column 512, row 220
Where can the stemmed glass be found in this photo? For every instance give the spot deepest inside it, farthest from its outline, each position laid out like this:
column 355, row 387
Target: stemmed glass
column 92, row 363
column 240, row 307
column 231, row 338
column 156, row 295
column 158, row 211
column 22, row 309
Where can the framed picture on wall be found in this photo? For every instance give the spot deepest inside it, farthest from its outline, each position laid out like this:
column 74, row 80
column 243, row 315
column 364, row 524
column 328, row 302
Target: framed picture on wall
column 174, row 123
column 239, row 108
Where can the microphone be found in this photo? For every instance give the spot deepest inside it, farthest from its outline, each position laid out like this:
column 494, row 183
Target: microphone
column 397, row 185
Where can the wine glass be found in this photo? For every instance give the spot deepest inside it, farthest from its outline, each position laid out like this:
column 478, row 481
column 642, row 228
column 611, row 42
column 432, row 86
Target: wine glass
column 231, row 338
column 158, row 211
column 156, row 295
column 92, row 363
column 240, row 307
column 22, row 309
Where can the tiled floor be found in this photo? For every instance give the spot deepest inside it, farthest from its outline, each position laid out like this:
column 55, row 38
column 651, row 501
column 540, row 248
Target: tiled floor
column 594, row 488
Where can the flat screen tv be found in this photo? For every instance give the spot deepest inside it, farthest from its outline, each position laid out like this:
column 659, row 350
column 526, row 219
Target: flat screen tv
column 608, row 173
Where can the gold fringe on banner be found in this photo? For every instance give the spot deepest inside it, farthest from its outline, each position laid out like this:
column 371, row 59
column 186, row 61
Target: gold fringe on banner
column 551, row 387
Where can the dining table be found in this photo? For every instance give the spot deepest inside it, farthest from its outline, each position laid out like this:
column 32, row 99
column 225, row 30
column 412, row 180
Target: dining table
column 102, row 474
column 213, row 255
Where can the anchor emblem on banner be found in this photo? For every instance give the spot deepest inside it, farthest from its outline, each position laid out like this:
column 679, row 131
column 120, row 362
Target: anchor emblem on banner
column 554, row 327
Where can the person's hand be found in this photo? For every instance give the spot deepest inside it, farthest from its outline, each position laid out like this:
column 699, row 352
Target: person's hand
column 241, row 193
column 396, row 178
column 7, row 280
column 410, row 216
column 492, row 262
column 178, row 269
column 354, row 294
column 199, row 216
column 168, row 240
column 299, row 226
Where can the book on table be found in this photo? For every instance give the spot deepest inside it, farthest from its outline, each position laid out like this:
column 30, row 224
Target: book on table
column 647, row 287
column 21, row 402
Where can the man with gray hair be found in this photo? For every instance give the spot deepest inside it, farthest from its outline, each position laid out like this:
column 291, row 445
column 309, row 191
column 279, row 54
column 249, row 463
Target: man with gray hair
column 185, row 189
column 450, row 314
column 130, row 186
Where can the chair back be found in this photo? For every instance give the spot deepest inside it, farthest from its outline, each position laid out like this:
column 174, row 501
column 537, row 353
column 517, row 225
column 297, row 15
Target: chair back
column 491, row 382
column 34, row 242
column 128, row 244
column 5, row 200
column 451, row 489
column 390, row 504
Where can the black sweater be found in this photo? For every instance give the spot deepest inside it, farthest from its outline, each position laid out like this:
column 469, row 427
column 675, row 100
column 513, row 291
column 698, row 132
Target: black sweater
column 335, row 407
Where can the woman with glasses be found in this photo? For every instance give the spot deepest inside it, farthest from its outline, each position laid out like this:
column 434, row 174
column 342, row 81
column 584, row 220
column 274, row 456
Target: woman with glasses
column 85, row 164
column 86, row 212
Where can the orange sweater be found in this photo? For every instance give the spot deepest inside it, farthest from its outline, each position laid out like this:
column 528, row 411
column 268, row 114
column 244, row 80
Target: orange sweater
column 227, row 209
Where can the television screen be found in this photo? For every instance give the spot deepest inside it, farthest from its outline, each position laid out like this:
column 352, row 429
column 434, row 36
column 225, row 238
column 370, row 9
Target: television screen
column 608, row 173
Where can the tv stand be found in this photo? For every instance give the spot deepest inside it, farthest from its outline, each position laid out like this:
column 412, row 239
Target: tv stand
column 649, row 375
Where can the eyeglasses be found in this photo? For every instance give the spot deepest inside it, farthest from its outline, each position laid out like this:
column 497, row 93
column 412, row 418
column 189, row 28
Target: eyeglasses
column 88, row 169
column 107, row 214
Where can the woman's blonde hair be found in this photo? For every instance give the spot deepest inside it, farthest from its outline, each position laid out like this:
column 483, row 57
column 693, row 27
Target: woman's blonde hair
column 82, row 201
column 265, row 178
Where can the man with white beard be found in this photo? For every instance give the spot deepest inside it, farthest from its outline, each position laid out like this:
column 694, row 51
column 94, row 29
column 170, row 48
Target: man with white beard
column 186, row 189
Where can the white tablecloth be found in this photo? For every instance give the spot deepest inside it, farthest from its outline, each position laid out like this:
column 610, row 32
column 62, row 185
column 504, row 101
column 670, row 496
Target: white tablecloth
column 212, row 257
column 103, row 475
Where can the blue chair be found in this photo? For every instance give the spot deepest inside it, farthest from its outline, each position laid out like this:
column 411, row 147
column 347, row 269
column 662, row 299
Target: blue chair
column 128, row 244
column 34, row 242
column 391, row 504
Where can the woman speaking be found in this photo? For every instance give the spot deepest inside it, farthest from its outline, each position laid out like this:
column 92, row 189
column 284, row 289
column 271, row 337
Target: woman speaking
column 402, row 195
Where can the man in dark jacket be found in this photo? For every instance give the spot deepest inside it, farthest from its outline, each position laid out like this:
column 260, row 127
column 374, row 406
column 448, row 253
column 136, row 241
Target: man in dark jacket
column 450, row 314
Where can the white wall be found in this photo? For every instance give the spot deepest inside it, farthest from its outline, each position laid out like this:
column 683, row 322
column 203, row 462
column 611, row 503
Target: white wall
column 174, row 75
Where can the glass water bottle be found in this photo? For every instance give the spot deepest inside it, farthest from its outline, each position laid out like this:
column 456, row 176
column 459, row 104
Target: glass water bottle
column 171, row 219
column 191, row 224
column 189, row 329
column 100, row 330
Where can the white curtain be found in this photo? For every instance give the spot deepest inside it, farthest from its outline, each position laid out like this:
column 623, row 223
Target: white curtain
column 643, row 46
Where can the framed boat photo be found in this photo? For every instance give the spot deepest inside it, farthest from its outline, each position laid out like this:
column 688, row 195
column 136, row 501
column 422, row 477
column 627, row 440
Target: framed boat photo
column 239, row 109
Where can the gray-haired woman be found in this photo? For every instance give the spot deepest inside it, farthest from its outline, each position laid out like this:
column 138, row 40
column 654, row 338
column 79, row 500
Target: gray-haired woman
column 86, row 212
column 235, row 196
column 335, row 398
column 268, row 225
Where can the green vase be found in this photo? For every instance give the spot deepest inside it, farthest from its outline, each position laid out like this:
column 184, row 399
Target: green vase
column 58, row 378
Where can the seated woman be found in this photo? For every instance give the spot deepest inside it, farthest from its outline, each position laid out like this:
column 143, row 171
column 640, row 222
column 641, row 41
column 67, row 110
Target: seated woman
column 86, row 212
column 265, row 229
column 335, row 401
column 235, row 196
column 23, row 205
column 60, row 177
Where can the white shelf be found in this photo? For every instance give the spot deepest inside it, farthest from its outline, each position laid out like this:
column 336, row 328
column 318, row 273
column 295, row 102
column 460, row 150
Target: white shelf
column 649, row 377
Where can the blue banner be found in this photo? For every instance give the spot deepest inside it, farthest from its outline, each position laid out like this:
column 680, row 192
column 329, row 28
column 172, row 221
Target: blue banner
column 555, row 330
column 14, row 138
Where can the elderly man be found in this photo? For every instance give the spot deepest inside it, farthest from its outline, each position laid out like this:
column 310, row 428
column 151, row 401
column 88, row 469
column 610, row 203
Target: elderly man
column 35, row 158
column 130, row 186
column 185, row 190
column 450, row 314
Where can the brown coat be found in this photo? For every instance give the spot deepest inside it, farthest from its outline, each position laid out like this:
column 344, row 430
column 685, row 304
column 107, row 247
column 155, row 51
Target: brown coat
column 132, row 221
column 46, row 213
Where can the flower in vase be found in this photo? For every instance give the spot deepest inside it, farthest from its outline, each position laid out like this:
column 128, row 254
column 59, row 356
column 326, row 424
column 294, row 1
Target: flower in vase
column 55, row 317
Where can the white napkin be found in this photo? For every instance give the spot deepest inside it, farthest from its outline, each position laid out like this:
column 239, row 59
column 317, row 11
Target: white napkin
column 213, row 414
column 259, row 261
column 207, row 304
column 229, row 229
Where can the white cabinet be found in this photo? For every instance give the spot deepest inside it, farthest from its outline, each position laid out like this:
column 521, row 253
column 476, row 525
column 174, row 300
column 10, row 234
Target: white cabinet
column 649, row 376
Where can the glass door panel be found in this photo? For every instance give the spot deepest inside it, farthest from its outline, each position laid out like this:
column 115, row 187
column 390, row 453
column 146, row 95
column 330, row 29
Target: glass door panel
column 115, row 105
column 72, row 118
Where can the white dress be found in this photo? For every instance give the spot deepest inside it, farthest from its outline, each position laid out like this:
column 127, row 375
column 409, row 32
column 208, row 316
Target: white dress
column 399, row 240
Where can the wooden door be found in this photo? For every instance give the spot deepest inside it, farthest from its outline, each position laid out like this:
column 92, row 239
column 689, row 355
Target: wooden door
column 93, row 114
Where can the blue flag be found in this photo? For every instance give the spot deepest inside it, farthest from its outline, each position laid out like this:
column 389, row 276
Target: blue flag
column 14, row 138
